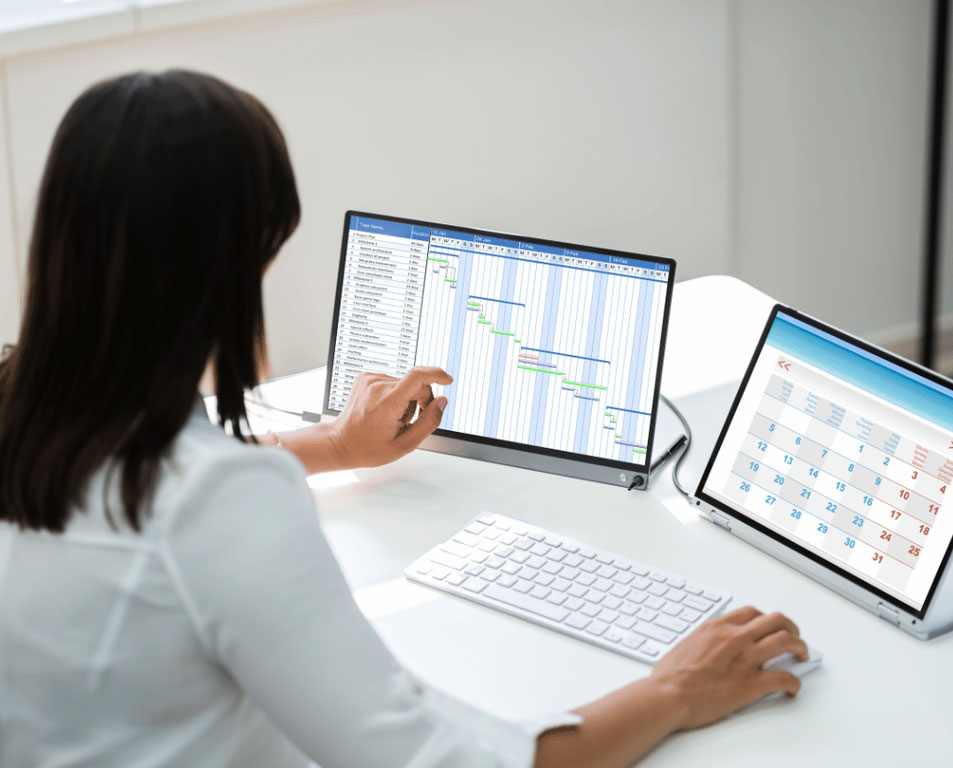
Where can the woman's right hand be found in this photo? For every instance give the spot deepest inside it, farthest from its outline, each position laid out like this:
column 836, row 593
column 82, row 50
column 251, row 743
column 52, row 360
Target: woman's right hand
column 718, row 668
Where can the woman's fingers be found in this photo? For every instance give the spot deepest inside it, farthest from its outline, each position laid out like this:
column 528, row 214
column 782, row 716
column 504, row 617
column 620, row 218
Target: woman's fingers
column 765, row 625
column 776, row 644
column 776, row 680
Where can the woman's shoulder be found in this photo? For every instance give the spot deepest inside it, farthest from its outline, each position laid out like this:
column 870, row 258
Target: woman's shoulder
column 207, row 469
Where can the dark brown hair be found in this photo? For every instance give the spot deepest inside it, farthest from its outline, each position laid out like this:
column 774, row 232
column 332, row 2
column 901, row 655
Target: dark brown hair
column 164, row 198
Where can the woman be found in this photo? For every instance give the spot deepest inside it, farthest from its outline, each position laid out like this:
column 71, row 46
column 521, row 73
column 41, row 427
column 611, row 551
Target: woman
column 166, row 595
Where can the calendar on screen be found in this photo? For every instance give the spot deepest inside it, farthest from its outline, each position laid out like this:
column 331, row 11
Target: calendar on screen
column 844, row 452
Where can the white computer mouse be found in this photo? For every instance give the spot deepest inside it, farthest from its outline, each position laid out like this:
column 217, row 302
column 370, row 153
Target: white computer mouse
column 787, row 663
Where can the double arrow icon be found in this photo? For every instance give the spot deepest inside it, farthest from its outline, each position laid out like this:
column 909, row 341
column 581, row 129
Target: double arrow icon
column 784, row 364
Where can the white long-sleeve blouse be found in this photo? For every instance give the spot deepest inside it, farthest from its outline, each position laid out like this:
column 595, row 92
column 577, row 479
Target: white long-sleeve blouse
column 223, row 634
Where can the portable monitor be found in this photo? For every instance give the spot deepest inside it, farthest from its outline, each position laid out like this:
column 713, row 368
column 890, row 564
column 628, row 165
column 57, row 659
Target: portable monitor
column 837, row 457
column 555, row 349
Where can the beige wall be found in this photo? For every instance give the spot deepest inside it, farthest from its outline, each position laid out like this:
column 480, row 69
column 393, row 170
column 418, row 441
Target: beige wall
column 10, row 261
column 781, row 141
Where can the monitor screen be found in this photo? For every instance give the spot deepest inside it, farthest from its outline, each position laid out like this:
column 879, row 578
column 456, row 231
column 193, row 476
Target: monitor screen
column 845, row 452
column 552, row 347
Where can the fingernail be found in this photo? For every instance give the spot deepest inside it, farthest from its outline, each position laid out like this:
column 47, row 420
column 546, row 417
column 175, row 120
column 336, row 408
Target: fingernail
column 441, row 403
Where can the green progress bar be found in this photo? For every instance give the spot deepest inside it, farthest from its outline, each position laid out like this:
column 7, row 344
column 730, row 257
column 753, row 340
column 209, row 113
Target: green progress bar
column 538, row 370
column 502, row 333
column 580, row 384
column 443, row 261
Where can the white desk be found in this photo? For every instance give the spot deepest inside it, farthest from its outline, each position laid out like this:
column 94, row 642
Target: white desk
column 881, row 698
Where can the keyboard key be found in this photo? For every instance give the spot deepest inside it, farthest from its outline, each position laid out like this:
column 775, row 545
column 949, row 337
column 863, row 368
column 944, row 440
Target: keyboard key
column 573, row 561
column 561, row 585
column 522, row 585
column 553, row 541
column 589, row 566
column 640, row 570
column 629, row 609
column 474, row 569
column 586, row 579
column 467, row 539
column 715, row 598
column 590, row 610
column 597, row 627
column 603, row 585
column 526, row 603
column 611, row 602
column 697, row 604
column 456, row 549
column 490, row 575
column 613, row 635
column 577, row 621
column 675, row 595
column 535, row 561
column 540, row 549
column 673, row 581
column 475, row 528
column 646, row 615
column 503, row 524
column 556, row 555
column 527, row 573
column 504, row 551
column 479, row 557
column 586, row 553
column 491, row 534
column 507, row 539
column 640, row 582
column 623, row 565
column 446, row 559
column 672, row 609
column 619, row 591
column 658, row 589
column 456, row 579
column 690, row 615
column 676, row 625
column 655, row 632
column 487, row 546
column 474, row 584
column 625, row 622
column 574, row 603
column 486, row 520
column 571, row 548
column 519, row 557
column 577, row 590
column 656, row 576
column 654, row 602
column 692, row 589
column 494, row 562
column 633, row 641
column 637, row 597
column 536, row 535
column 556, row 598
column 440, row 573
column 510, row 568
column 606, row 572
column 595, row 596
column 520, row 530
column 605, row 559
column 523, row 543
column 506, row 580
column 545, row 579
column 570, row 573
column 651, row 649
column 424, row 568
column 552, row 568
column 623, row 578
column 540, row 591
column 607, row 615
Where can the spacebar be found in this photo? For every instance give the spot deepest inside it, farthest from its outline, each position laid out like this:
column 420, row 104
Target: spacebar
column 527, row 603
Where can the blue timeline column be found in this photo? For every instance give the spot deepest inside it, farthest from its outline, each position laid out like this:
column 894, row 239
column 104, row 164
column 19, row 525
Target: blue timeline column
column 501, row 346
column 458, row 320
column 585, row 428
column 550, row 317
column 633, row 391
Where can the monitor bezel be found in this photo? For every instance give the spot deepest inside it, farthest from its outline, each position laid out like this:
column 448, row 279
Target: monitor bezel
column 744, row 517
column 442, row 445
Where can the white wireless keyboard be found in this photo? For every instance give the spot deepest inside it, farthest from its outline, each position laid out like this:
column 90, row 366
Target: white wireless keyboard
column 588, row 593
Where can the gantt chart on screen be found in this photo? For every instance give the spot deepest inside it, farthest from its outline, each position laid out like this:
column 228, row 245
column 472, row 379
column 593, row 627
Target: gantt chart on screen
column 548, row 346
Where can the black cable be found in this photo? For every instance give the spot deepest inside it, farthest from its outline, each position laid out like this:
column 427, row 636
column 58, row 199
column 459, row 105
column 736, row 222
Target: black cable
column 688, row 442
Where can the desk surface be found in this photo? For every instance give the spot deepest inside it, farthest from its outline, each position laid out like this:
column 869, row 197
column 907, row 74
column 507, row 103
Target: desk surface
column 880, row 698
